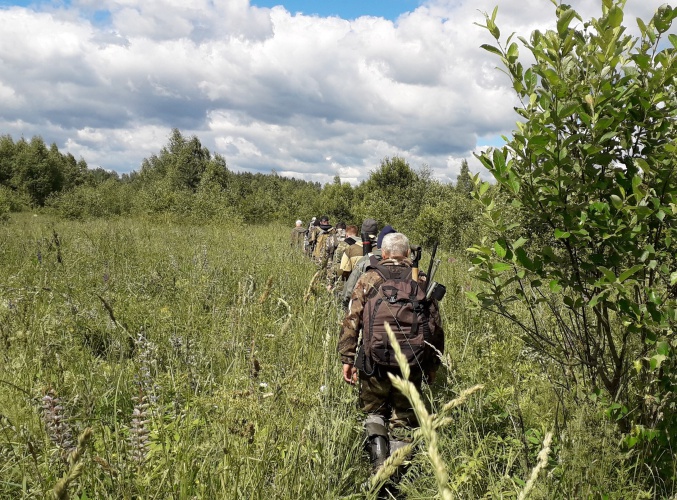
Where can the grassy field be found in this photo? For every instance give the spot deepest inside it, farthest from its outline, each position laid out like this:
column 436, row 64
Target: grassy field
column 191, row 355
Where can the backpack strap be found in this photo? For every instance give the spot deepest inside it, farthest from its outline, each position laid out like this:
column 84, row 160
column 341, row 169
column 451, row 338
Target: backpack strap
column 373, row 263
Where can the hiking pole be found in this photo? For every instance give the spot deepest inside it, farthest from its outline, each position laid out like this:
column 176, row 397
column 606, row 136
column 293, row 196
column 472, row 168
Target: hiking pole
column 430, row 267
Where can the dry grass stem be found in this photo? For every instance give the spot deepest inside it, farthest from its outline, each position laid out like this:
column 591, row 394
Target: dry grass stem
column 424, row 418
column 462, row 398
column 287, row 322
column 60, row 490
column 391, row 464
column 266, row 290
column 311, row 285
column 542, row 462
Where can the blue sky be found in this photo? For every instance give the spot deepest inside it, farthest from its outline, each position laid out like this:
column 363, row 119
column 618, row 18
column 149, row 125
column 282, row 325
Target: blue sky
column 347, row 9
column 294, row 89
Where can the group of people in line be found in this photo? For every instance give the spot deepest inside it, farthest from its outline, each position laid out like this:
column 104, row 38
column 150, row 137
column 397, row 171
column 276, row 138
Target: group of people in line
column 339, row 250
column 378, row 283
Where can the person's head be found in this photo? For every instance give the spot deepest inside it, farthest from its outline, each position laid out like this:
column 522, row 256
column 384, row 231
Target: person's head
column 351, row 230
column 341, row 225
column 370, row 227
column 385, row 231
column 324, row 219
column 299, row 223
column 395, row 246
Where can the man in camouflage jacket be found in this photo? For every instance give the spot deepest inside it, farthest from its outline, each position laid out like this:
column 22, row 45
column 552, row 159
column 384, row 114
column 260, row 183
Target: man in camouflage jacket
column 298, row 234
column 387, row 409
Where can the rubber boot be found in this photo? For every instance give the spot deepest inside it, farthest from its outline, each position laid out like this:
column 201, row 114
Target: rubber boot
column 376, row 435
column 378, row 451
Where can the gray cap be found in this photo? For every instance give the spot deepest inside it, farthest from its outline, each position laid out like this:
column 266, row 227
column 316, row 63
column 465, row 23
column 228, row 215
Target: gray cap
column 370, row 226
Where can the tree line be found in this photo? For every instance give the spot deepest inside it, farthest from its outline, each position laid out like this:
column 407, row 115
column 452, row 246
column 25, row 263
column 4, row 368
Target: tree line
column 186, row 181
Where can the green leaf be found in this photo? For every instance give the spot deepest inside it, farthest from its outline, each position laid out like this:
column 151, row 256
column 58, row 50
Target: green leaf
column 662, row 18
column 615, row 16
column 673, row 278
column 500, row 248
column 501, row 266
column 626, row 274
column 499, row 162
column 555, row 287
column 549, row 253
column 616, row 201
column 561, row 235
column 636, row 183
column 493, row 29
column 673, row 40
column 564, row 20
column 643, row 164
column 492, row 49
column 539, row 140
column 656, row 360
column 552, row 76
column 642, row 26
column 663, row 348
column 524, row 260
column 567, row 109
column 600, row 296
column 609, row 275
column 520, row 242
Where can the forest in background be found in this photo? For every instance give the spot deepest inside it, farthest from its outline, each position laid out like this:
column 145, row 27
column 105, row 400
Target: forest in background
column 186, row 182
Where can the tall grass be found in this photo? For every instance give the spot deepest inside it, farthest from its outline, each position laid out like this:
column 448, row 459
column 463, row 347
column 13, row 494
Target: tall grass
column 205, row 364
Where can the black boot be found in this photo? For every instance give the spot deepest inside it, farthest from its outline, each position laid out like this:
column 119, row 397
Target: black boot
column 378, row 451
column 376, row 434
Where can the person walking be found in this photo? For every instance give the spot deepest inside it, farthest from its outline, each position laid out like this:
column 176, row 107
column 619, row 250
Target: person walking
column 297, row 235
column 387, row 292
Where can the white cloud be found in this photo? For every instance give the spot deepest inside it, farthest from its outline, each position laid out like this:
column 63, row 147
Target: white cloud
column 307, row 96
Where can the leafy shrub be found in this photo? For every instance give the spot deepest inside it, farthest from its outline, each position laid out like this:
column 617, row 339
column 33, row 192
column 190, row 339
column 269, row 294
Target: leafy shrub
column 593, row 162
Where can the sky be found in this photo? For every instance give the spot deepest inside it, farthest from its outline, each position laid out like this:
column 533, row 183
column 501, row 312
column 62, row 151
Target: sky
column 311, row 89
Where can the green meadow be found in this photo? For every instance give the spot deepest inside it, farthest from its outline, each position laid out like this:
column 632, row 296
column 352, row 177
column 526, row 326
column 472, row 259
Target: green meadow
column 203, row 359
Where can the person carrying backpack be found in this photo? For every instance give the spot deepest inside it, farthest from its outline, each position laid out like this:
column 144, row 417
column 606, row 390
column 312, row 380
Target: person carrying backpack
column 298, row 234
column 324, row 242
column 386, row 292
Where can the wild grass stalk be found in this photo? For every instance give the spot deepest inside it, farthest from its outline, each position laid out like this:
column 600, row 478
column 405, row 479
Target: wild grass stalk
column 425, row 420
column 540, row 465
column 60, row 490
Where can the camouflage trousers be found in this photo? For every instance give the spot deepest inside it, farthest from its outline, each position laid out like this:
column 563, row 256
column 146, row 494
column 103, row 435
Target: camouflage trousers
column 378, row 396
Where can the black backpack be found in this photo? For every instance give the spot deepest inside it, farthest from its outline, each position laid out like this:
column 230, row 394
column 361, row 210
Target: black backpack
column 401, row 302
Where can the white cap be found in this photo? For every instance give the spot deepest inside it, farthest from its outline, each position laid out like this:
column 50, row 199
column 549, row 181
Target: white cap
column 299, row 222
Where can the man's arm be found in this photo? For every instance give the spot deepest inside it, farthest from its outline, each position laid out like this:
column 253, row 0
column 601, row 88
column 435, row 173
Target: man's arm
column 352, row 323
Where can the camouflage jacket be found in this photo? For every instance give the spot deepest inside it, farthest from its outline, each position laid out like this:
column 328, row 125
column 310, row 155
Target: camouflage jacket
column 297, row 236
column 324, row 244
column 352, row 323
